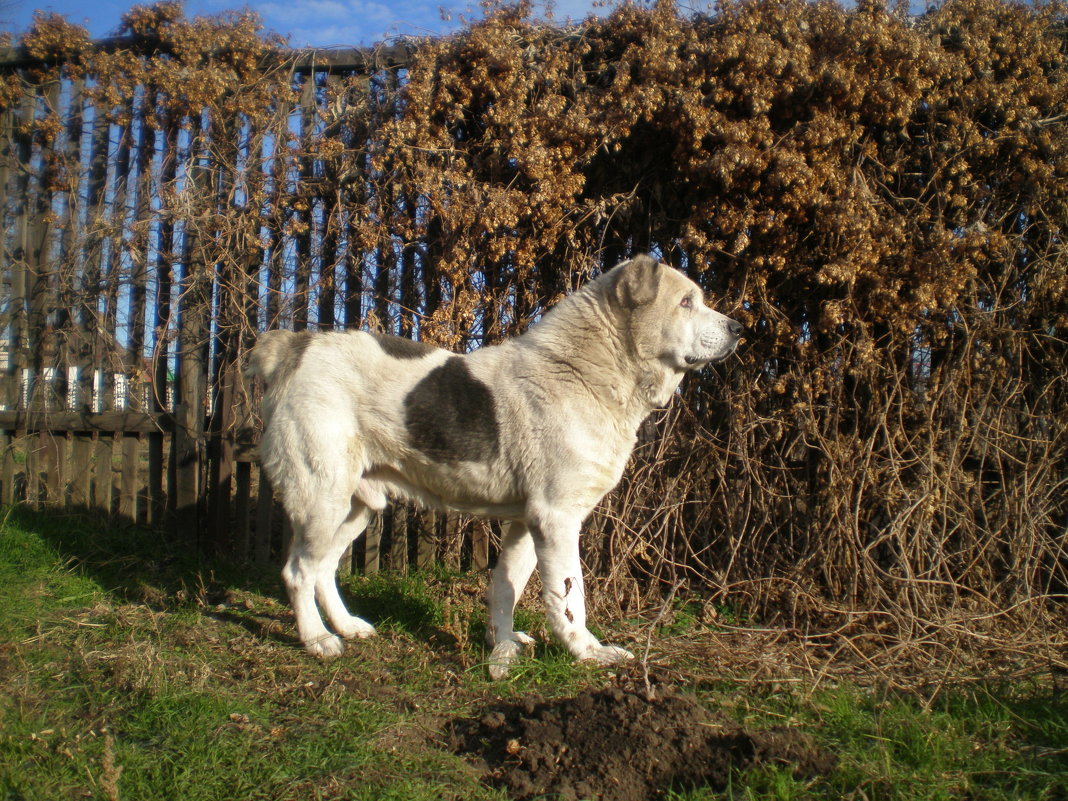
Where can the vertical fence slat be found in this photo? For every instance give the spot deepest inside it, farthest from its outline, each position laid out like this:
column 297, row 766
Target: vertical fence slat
column 264, row 510
column 20, row 277
column 223, row 470
column 129, row 480
column 81, row 467
column 192, row 363
column 480, row 541
column 53, row 464
column 103, row 481
column 160, row 479
column 242, row 511
column 372, row 545
column 427, row 540
column 33, row 469
column 398, row 542
column 7, row 468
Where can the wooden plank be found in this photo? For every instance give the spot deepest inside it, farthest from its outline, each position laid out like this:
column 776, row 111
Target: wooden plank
column 222, row 469
column 303, row 236
column 42, row 276
column 398, row 541
column 8, row 378
column 192, row 363
column 452, row 541
column 91, row 327
column 53, row 464
column 7, row 468
column 139, row 249
column 81, row 467
column 242, row 435
column 160, row 477
column 15, row 462
column 243, row 511
column 71, row 316
column 103, row 480
column 227, row 313
column 480, row 540
column 83, row 338
column 328, row 249
column 130, row 449
column 427, row 544
column 110, row 356
column 136, row 501
column 18, row 298
column 7, row 161
column 264, row 510
column 33, row 470
column 29, row 471
column 372, row 545
column 155, row 500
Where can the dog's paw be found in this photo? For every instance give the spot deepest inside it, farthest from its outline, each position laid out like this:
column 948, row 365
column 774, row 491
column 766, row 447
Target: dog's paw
column 327, row 647
column 508, row 651
column 355, row 628
column 606, row 655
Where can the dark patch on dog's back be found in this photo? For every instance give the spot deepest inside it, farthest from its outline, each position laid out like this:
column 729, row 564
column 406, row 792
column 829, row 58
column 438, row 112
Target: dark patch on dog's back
column 450, row 415
column 401, row 348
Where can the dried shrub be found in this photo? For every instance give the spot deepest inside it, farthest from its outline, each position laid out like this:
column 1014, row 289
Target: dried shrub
column 880, row 198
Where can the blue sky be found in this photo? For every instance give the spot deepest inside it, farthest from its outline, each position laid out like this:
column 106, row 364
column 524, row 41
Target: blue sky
column 320, row 23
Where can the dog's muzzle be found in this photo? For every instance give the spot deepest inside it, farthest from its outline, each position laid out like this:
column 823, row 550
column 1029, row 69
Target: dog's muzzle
column 721, row 343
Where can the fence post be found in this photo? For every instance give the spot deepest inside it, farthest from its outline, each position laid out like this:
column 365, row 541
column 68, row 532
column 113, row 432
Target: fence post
column 192, row 363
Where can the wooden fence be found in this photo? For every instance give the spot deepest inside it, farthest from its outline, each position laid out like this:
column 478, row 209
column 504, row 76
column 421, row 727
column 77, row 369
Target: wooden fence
column 891, row 438
column 122, row 330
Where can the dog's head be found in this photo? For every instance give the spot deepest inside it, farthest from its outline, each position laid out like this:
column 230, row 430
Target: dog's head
column 669, row 319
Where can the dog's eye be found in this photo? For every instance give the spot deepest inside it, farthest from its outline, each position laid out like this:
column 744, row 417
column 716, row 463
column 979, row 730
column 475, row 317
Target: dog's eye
column 686, row 302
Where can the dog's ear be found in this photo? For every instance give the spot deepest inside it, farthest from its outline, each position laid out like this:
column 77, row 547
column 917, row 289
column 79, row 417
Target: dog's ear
column 638, row 282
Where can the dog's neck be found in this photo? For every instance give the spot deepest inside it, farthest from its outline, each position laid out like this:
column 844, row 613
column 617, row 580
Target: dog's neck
column 657, row 386
column 608, row 367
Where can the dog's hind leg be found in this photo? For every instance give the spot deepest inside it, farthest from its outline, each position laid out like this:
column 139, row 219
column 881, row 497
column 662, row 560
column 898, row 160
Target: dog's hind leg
column 326, row 590
column 514, row 566
column 311, row 552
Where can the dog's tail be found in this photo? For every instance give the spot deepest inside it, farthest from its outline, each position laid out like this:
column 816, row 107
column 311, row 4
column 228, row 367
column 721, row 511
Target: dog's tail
column 276, row 354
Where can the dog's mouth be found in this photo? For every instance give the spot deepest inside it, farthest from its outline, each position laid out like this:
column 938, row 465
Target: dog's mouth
column 695, row 362
column 719, row 348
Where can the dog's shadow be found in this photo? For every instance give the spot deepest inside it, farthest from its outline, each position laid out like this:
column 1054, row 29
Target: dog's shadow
column 136, row 564
column 139, row 565
column 402, row 604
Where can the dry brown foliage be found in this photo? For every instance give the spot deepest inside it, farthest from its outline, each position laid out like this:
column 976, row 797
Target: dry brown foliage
column 881, row 198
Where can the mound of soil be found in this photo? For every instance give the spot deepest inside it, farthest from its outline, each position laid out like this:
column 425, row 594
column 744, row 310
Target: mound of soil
column 614, row 745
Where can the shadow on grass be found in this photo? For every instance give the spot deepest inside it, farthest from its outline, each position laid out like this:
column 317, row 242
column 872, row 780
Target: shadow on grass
column 138, row 564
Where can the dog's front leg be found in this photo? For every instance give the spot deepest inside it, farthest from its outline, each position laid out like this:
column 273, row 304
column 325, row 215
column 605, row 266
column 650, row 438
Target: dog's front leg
column 556, row 542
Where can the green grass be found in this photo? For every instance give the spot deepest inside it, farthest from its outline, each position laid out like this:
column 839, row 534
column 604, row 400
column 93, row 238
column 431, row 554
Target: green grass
column 988, row 742
column 131, row 670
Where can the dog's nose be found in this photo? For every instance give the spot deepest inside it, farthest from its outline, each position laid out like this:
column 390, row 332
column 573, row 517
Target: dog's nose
column 736, row 329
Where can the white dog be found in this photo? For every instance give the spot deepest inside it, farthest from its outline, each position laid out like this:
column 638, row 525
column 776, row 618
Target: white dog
column 534, row 431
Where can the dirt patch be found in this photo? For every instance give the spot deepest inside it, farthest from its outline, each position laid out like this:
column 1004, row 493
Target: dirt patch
column 614, row 745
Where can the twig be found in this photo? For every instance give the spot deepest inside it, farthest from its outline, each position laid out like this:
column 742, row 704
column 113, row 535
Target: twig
column 649, row 695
